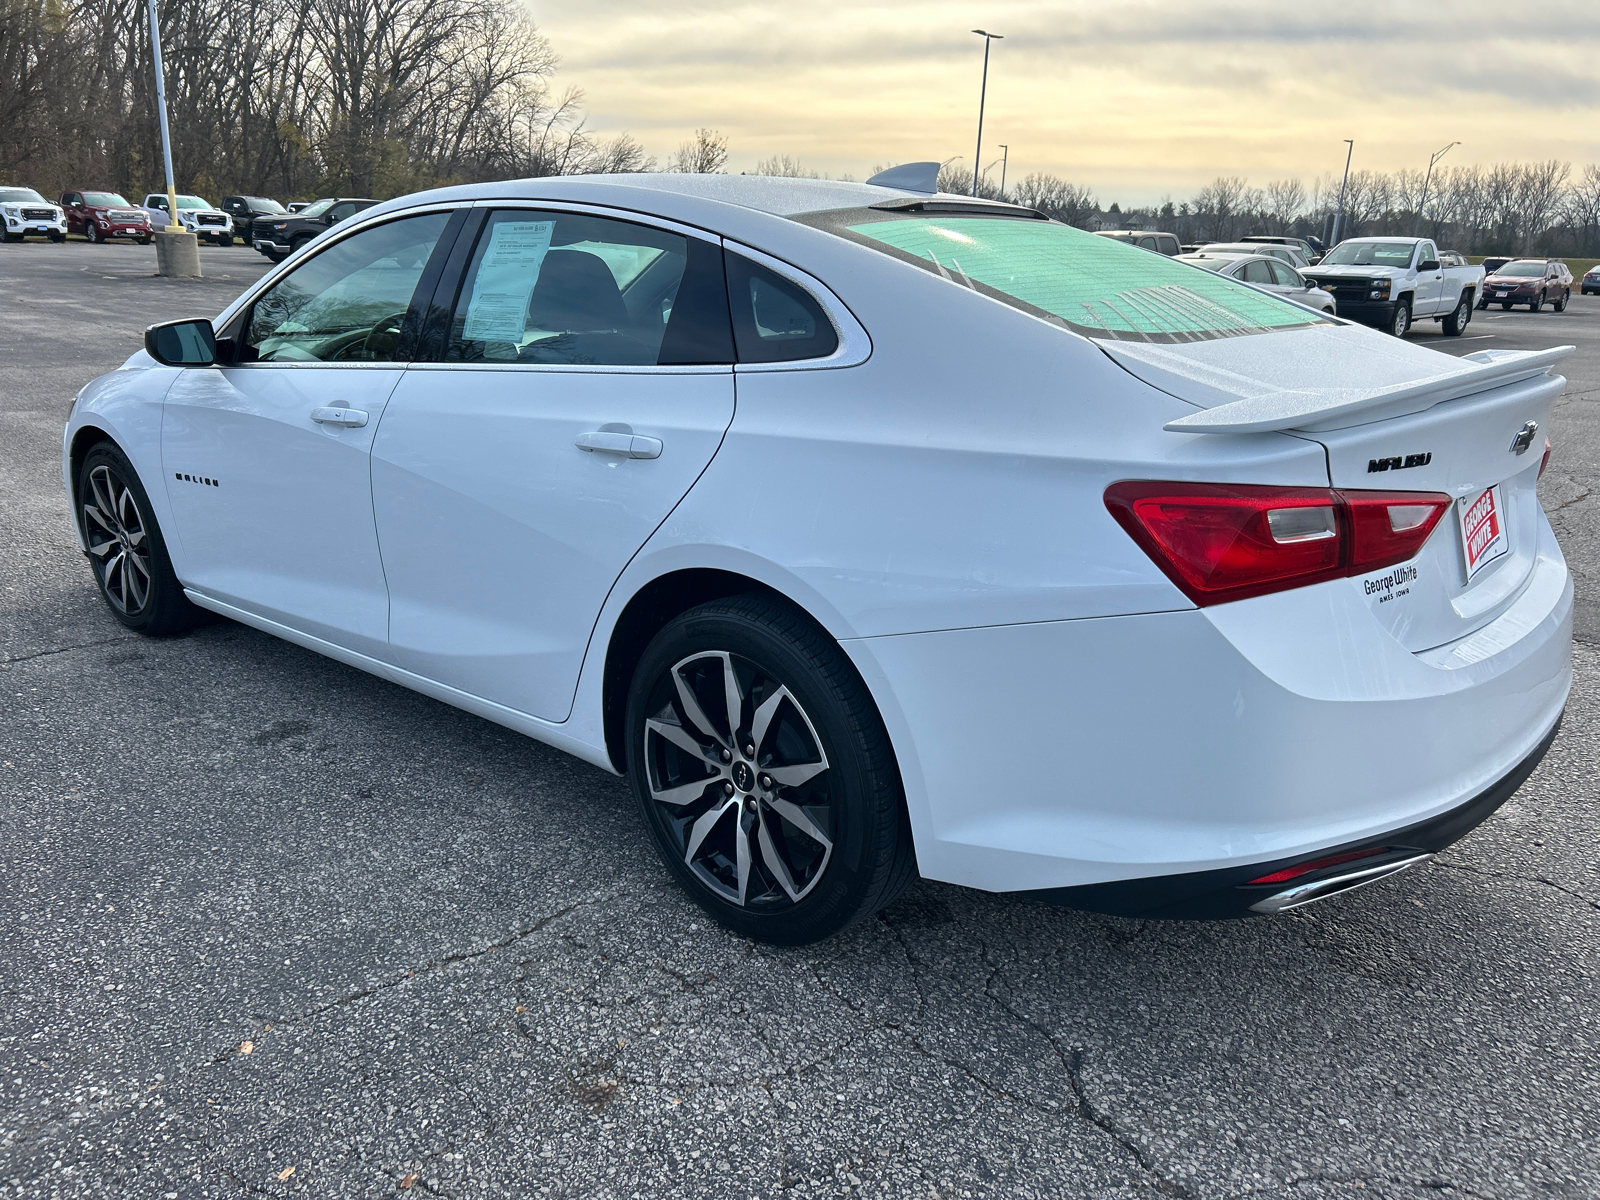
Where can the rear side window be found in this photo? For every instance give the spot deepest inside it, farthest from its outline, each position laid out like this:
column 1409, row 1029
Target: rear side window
column 1087, row 283
column 568, row 289
column 1257, row 270
column 775, row 320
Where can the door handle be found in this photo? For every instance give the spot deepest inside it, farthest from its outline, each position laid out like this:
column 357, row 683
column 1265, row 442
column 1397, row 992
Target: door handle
column 628, row 445
column 350, row 418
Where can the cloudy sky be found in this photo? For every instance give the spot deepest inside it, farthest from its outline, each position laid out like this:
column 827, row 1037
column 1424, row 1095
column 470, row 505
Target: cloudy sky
column 1136, row 98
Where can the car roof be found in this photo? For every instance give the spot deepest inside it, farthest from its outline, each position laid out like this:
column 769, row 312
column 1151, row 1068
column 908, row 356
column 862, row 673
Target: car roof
column 1225, row 256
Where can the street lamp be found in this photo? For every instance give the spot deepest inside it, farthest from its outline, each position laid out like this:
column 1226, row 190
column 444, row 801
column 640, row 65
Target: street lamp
column 977, row 155
column 1338, row 221
column 177, row 251
column 1416, row 230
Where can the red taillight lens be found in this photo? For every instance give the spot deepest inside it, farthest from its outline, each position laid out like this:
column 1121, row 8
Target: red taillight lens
column 1317, row 864
column 1545, row 461
column 1221, row 542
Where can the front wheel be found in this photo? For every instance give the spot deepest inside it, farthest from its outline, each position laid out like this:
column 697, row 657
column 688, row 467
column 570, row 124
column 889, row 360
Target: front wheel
column 1456, row 322
column 126, row 548
column 1505, row 305
column 1536, row 303
column 91, row 233
column 1400, row 320
column 225, row 239
column 146, row 239
column 57, row 236
column 764, row 773
column 1561, row 304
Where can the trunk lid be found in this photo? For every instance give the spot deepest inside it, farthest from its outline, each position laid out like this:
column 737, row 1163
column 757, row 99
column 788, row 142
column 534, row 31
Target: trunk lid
column 1392, row 417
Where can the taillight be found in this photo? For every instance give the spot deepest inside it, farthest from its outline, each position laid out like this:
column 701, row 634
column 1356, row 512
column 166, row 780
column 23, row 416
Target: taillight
column 1545, row 461
column 1220, row 542
column 1318, row 864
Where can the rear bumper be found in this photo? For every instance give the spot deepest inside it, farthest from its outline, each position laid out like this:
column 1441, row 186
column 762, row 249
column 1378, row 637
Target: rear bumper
column 1065, row 754
column 1219, row 895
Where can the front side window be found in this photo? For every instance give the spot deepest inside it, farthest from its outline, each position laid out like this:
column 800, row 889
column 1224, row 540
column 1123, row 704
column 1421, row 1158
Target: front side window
column 346, row 303
column 1087, row 283
column 1285, row 276
column 1426, row 253
column 569, row 289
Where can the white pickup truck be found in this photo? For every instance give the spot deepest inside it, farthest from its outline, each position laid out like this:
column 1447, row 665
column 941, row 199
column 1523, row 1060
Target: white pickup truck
column 1392, row 282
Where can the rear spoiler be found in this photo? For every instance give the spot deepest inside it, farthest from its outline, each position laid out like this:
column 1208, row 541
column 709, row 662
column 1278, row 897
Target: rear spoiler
column 1337, row 408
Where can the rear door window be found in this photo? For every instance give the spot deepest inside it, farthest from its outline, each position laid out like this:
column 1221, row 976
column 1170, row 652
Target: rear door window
column 1087, row 283
column 570, row 289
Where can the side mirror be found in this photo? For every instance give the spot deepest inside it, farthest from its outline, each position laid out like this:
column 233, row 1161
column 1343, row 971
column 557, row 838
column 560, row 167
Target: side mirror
column 191, row 343
column 328, row 219
column 1431, row 265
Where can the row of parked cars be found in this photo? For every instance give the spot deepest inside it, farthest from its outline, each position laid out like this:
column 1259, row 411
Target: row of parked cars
column 1391, row 282
column 274, row 229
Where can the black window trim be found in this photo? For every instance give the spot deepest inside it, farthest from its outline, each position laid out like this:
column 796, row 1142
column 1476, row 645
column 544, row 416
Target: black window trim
column 435, row 333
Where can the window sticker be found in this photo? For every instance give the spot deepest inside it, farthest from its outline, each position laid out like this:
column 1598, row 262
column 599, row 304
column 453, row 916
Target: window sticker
column 506, row 277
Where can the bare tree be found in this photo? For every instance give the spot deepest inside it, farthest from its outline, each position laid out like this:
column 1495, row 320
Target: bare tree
column 706, row 154
column 783, row 166
column 1286, row 198
column 1055, row 197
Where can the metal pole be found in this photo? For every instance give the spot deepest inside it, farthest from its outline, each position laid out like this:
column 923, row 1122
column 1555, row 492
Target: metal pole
column 1005, row 156
column 1338, row 221
column 161, row 109
column 983, row 93
column 1416, row 230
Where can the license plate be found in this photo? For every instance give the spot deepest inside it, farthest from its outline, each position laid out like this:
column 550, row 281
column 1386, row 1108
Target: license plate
column 41, row 229
column 1484, row 536
column 1502, row 293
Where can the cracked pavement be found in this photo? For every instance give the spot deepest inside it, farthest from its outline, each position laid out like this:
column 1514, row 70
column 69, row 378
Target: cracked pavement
column 274, row 927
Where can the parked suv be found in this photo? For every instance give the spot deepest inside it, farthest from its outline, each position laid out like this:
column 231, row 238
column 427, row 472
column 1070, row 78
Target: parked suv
column 102, row 215
column 1161, row 243
column 278, row 237
column 1302, row 246
column 1530, row 281
column 195, row 214
column 243, row 210
column 28, row 214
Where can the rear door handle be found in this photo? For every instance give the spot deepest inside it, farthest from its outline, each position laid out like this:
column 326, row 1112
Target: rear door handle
column 628, row 445
column 350, row 418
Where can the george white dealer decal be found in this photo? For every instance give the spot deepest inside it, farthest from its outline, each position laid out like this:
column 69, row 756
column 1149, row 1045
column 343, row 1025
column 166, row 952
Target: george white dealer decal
column 1395, row 583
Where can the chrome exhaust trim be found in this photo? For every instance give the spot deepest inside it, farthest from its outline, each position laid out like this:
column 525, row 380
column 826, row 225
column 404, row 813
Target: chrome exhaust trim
column 1334, row 885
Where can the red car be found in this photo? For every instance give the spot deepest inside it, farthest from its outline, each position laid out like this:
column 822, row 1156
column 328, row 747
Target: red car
column 102, row 215
column 1530, row 281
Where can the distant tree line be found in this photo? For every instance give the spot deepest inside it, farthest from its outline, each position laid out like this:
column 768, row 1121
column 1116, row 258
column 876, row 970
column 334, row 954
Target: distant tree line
column 291, row 99
column 1506, row 208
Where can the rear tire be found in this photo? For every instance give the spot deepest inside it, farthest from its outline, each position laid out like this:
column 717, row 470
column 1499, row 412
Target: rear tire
column 1456, row 323
column 790, row 825
column 1400, row 319
column 126, row 549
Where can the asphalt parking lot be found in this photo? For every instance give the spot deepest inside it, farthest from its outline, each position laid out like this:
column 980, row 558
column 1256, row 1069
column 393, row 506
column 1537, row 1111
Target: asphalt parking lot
column 271, row 926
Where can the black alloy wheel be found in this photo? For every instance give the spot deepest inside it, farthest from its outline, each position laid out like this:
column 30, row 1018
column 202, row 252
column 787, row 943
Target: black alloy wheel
column 1456, row 323
column 1561, row 304
column 126, row 549
column 764, row 773
column 1536, row 303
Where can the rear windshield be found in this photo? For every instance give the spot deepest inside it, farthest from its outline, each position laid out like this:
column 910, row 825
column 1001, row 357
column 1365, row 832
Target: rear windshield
column 1096, row 286
column 1369, row 254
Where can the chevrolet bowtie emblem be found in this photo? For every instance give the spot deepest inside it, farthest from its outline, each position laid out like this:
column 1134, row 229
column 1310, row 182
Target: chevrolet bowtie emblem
column 1524, row 438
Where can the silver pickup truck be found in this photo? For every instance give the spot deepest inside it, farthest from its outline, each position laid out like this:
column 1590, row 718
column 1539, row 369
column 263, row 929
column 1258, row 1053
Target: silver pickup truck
column 1392, row 282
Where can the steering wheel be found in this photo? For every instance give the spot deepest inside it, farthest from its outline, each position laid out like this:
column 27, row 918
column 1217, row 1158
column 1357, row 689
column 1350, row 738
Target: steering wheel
column 369, row 345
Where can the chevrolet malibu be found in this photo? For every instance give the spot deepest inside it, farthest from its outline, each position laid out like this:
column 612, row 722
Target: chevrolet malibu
column 870, row 532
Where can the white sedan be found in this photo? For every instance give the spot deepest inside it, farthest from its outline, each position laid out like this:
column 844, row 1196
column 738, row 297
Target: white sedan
column 870, row 532
column 1265, row 271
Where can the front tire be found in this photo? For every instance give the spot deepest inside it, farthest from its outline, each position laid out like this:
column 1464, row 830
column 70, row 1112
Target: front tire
column 784, row 820
column 1561, row 304
column 1456, row 323
column 126, row 549
column 1400, row 319
column 91, row 233
column 1536, row 303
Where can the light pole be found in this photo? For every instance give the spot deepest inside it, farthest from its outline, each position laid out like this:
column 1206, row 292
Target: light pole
column 983, row 92
column 1338, row 221
column 1416, row 230
column 177, row 252
column 1005, row 156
